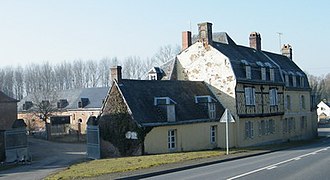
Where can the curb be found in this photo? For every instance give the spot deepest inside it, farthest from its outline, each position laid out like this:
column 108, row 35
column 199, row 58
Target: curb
column 147, row 175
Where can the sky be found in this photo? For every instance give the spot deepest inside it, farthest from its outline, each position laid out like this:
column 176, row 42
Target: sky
column 37, row 31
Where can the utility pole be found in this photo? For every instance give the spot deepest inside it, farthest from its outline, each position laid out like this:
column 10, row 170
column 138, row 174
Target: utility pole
column 279, row 39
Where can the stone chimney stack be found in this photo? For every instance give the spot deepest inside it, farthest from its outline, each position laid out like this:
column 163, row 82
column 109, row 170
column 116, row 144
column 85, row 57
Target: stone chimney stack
column 205, row 33
column 287, row 51
column 116, row 74
column 186, row 39
column 255, row 41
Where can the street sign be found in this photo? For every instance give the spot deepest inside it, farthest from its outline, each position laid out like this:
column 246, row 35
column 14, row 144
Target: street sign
column 227, row 118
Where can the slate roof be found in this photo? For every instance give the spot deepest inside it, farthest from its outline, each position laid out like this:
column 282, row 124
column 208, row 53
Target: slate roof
column 73, row 96
column 140, row 94
column 5, row 98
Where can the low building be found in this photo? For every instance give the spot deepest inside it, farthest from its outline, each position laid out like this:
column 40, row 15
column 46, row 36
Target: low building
column 148, row 117
column 72, row 108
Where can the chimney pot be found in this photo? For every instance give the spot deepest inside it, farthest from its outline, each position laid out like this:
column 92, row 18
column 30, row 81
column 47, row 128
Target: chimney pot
column 287, row 51
column 255, row 41
column 116, row 74
column 205, row 33
column 186, row 39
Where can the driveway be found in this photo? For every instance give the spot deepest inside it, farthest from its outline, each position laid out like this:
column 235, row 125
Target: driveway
column 47, row 157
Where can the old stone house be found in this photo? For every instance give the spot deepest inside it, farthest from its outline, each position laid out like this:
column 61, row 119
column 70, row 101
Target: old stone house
column 150, row 116
column 267, row 93
column 72, row 109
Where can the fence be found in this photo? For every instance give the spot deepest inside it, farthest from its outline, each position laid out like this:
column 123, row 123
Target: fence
column 16, row 145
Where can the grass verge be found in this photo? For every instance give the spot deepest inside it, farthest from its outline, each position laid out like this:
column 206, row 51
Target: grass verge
column 114, row 165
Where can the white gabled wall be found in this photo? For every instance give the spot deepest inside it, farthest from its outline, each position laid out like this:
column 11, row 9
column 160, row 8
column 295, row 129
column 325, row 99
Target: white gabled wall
column 198, row 63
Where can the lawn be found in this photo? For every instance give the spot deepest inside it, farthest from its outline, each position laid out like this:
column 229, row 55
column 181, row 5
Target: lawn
column 113, row 165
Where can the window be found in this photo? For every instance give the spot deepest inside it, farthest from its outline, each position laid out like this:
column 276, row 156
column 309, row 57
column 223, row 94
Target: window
column 292, row 124
column 263, row 73
column 209, row 103
column 248, row 72
column 287, row 80
column 248, row 129
column 163, row 101
column 302, row 102
column 273, row 97
column 152, row 77
column 271, row 126
column 303, row 122
column 213, row 134
column 302, row 81
column 271, row 74
column 171, row 139
column 249, row 96
column 288, row 102
column 294, row 81
column 262, row 127
column 212, row 114
column 285, row 125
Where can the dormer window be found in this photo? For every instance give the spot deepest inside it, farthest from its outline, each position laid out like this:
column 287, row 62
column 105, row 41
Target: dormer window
column 287, row 80
column 302, row 81
column 83, row 102
column 62, row 103
column 294, row 81
column 271, row 74
column 247, row 69
column 27, row 105
column 169, row 106
column 263, row 73
column 210, row 102
column 156, row 73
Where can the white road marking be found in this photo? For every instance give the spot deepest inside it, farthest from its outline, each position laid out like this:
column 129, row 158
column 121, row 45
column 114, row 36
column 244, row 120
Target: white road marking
column 277, row 164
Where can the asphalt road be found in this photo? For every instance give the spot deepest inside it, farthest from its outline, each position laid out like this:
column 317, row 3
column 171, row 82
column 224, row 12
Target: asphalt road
column 48, row 157
column 306, row 162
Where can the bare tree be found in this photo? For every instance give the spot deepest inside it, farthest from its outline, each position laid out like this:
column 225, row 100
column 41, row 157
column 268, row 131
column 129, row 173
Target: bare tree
column 44, row 106
column 166, row 53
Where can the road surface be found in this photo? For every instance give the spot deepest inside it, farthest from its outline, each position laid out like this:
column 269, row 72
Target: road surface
column 306, row 162
column 48, row 157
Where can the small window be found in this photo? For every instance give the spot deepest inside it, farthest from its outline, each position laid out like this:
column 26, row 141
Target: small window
column 273, row 97
column 302, row 82
column 171, row 139
column 288, row 102
column 271, row 74
column 248, row 129
column 291, row 124
column 248, row 72
column 249, row 96
column 287, row 82
column 285, row 125
column 263, row 73
column 303, row 122
column 302, row 102
column 163, row 101
column 212, row 112
column 294, row 81
column 213, row 134
column 152, row 77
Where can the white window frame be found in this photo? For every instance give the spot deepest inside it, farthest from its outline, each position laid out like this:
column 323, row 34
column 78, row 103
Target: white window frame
column 213, row 134
column 171, row 139
column 212, row 110
column 273, row 97
column 167, row 99
column 271, row 74
column 250, row 94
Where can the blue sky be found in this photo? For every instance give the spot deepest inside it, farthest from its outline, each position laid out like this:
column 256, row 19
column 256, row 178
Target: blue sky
column 58, row 30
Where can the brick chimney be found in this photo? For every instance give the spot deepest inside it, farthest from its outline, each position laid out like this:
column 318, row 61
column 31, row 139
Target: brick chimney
column 186, row 39
column 205, row 33
column 255, row 41
column 287, row 51
column 115, row 73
